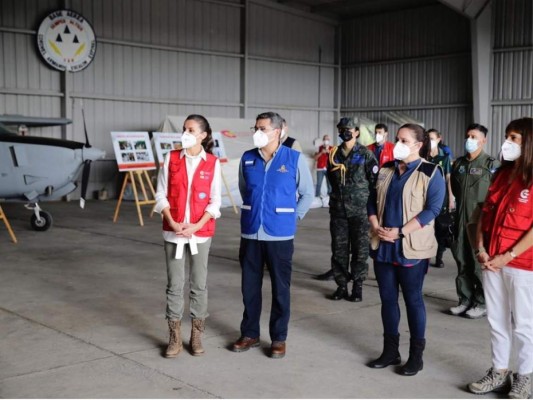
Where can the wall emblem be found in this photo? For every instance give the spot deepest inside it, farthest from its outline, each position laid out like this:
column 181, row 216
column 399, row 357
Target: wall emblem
column 66, row 41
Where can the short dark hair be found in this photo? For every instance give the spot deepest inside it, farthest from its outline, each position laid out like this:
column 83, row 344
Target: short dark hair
column 276, row 120
column 477, row 127
column 381, row 126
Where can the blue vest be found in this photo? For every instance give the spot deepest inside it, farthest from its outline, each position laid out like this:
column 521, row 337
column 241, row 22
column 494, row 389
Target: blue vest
column 270, row 197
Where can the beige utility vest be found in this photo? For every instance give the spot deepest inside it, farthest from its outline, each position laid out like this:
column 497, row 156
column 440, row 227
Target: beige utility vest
column 420, row 244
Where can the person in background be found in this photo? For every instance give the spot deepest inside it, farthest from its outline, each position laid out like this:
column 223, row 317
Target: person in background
column 287, row 140
column 270, row 178
column 352, row 171
column 445, row 149
column 321, row 158
column 382, row 148
column 504, row 248
column 470, row 180
column 439, row 157
column 407, row 198
column 188, row 196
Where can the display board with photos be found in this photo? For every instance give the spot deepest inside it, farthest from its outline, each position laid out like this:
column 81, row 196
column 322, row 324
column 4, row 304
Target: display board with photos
column 133, row 151
column 165, row 142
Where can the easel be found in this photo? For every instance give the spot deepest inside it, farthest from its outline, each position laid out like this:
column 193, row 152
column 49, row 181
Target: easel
column 228, row 193
column 6, row 222
column 141, row 176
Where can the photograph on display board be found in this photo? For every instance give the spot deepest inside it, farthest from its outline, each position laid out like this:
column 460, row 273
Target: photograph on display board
column 165, row 142
column 219, row 149
column 133, row 151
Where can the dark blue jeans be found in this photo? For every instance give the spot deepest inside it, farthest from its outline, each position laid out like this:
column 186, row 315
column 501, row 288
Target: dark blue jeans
column 392, row 277
column 253, row 254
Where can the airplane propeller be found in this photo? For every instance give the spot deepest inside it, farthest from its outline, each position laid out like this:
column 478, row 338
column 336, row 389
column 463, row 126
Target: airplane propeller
column 85, row 181
column 86, row 163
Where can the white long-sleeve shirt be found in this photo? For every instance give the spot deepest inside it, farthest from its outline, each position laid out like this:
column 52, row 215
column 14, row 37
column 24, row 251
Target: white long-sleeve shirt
column 161, row 199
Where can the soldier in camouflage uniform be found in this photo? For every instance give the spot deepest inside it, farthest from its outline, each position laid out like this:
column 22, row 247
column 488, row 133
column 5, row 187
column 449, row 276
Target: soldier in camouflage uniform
column 352, row 170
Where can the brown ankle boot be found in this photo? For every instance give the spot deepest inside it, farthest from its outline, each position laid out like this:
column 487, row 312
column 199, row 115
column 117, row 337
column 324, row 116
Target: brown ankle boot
column 198, row 327
column 174, row 344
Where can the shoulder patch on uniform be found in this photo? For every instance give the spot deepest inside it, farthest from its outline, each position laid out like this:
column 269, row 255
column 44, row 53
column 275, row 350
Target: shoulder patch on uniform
column 427, row 168
column 375, row 169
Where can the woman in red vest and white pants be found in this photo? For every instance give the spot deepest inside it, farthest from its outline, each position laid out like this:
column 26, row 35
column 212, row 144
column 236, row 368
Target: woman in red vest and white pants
column 188, row 196
column 504, row 247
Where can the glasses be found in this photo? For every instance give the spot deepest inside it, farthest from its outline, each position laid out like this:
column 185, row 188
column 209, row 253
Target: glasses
column 254, row 129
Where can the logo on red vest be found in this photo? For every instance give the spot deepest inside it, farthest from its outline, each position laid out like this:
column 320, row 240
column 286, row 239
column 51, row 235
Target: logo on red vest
column 524, row 196
column 205, row 174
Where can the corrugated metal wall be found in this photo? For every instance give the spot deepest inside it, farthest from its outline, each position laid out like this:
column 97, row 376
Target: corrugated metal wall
column 172, row 57
column 512, row 66
column 414, row 61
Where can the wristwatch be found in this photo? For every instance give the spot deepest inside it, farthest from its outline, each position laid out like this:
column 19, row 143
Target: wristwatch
column 400, row 234
column 512, row 253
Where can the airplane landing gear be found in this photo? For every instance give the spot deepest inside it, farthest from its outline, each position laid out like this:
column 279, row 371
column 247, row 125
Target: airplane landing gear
column 40, row 220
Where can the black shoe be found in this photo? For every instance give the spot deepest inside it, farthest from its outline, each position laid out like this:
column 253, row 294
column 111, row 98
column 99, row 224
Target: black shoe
column 357, row 291
column 438, row 263
column 390, row 355
column 415, row 362
column 326, row 276
column 340, row 293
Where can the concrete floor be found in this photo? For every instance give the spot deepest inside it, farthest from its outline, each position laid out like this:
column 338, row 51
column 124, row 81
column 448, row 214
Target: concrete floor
column 82, row 316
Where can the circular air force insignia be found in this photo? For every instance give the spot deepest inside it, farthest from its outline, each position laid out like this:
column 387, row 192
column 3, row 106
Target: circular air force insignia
column 66, row 41
column 375, row 169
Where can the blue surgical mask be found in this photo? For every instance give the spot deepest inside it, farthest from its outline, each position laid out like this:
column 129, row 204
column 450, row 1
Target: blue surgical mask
column 471, row 145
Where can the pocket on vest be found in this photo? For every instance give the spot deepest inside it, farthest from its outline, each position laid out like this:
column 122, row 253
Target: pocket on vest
column 417, row 202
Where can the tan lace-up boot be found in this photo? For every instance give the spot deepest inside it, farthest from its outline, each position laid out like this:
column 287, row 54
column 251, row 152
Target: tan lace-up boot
column 174, row 344
column 198, row 327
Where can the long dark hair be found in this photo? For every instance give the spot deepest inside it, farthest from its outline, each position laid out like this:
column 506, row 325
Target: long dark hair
column 208, row 143
column 421, row 136
column 524, row 164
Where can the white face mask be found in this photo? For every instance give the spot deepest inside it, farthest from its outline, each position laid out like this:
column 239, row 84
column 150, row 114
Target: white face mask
column 326, row 142
column 434, row 144
column 261, row 139
column 511, row 150
column 401, row 151
column 379, row 138
column 283, row 133
column 471, row 145
column 188, row 140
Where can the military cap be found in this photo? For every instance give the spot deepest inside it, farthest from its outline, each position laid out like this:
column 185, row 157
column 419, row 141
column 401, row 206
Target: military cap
column 346, row 122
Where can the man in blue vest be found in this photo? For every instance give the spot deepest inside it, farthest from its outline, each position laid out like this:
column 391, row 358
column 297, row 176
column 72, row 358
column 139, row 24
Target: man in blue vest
column 270, row 178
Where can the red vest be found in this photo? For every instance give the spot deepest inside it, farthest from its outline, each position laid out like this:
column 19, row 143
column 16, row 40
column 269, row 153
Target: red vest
column 200, row 191
column 507, row 217
column 386, row 154
column 322, row 162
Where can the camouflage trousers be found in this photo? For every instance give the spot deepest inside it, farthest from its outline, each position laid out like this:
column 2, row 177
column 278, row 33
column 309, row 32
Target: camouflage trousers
column 349, row 236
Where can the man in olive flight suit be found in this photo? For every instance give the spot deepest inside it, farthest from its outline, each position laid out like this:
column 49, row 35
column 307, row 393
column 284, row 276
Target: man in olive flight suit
column 352, row 169
column 470, row 180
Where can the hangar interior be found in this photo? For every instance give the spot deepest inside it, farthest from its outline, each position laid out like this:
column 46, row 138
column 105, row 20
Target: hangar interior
column 82, row 306
column 444, row 64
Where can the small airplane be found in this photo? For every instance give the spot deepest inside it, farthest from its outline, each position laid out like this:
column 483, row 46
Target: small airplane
column 35, row 169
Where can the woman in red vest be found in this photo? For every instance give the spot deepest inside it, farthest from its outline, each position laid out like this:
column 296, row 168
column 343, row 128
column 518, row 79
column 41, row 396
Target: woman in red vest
column 188, row 197
column 504, row 247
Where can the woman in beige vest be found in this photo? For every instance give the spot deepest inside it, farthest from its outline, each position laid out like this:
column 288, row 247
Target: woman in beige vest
column 408, row 196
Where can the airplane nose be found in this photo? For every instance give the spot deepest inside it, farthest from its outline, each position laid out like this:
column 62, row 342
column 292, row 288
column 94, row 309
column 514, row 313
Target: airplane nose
column 92, row 153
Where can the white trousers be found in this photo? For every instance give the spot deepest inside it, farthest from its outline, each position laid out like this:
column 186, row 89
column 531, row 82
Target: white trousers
column 509, row 302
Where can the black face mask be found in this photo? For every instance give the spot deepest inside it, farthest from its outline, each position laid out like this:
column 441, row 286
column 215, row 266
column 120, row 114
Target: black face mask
column 346, row 135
